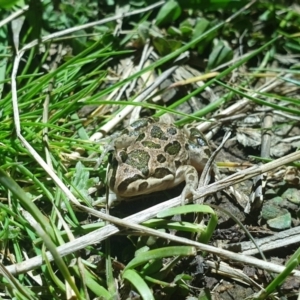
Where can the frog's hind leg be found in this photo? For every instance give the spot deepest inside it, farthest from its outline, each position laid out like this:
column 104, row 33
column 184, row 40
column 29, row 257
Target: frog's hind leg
column 190, row 175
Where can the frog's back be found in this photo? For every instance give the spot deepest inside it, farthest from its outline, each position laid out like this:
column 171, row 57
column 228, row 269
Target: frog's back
column 146, row 157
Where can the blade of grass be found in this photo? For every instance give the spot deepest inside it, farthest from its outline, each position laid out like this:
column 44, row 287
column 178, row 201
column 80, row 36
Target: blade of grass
column 41, row 225
column 216, row 104
column 93, row 283
column 259, row 101
column 195, row 208
column 15, row 286
column 160, row 253
column 138, row 282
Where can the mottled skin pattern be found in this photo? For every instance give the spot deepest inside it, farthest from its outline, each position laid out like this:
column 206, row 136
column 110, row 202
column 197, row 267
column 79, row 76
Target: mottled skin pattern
column 151, row 156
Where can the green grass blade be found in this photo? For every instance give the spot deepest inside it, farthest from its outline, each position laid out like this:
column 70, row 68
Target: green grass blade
column 160, row 253
column 138, row 282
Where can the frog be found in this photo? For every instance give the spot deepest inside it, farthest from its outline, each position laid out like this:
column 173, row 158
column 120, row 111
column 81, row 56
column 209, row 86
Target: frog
column 150, row 156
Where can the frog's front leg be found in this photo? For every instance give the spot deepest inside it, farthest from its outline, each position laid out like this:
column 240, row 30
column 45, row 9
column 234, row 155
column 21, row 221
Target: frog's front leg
column 190, row 175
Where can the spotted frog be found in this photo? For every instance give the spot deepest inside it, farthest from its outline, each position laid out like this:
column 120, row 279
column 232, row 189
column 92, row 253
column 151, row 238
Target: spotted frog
column 152, row 156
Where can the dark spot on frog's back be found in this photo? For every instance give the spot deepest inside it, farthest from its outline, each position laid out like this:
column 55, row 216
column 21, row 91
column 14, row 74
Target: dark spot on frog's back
column 172, row 130
column 161, row 172
column 177, row 164
column 125, row 131
column 161, row 158
column 133, row 133
column 139, row 159
column 143, row 186
column 173, row 148
column 141, row 123
column 140, row 137
column 157, row 132
column 151, row 145
column 122, row 187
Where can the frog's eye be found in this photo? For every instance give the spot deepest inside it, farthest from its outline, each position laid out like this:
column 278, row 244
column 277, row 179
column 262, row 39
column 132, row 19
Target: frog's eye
column 197, row 137
column 201, row 141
